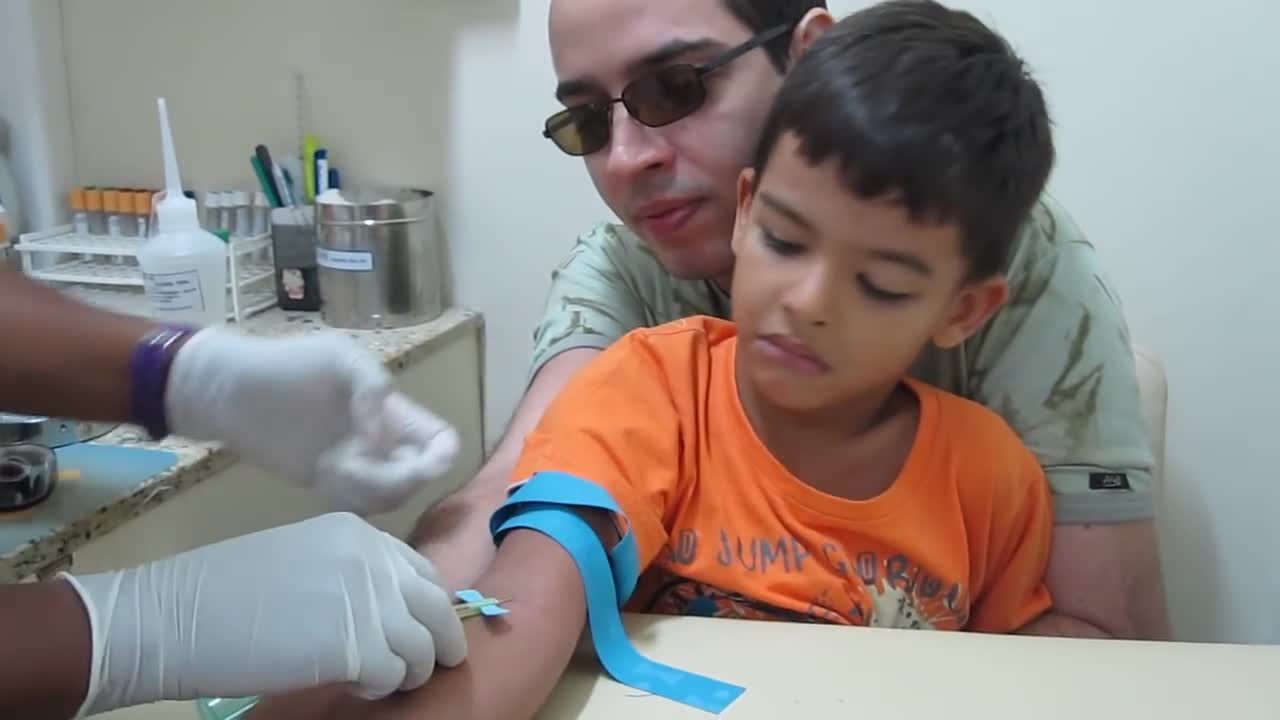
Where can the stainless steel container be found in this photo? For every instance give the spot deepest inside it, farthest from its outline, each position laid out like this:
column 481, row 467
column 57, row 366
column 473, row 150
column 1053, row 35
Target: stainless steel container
column 379, row 259
column 28, row 464
column 50, row 432
column 28, row 473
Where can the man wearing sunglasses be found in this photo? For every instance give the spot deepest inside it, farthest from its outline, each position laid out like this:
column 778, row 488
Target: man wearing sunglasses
column 663, row 101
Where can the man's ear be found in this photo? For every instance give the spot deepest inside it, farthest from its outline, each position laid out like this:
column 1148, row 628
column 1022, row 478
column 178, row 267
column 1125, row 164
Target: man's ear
column 973, row 306
column 814, row 23
column 746, row 194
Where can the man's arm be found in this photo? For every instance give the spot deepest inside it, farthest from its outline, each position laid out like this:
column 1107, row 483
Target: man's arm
column 1057, row 363
column 46, row 651
column 1122, row 597
column 455, row 535
column 80, row 350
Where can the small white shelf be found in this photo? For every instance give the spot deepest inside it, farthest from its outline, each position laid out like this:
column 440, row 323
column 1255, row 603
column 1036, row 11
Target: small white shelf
column 104, row 270
column 64, row 239
column 92, row 272
column 70, row 242
column 256, row 302
column 255, row 273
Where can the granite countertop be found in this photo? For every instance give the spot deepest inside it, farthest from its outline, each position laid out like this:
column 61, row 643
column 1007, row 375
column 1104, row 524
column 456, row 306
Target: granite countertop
column 197, row 461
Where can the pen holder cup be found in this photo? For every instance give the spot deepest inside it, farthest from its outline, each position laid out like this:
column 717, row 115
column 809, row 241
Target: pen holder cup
column 293, row 240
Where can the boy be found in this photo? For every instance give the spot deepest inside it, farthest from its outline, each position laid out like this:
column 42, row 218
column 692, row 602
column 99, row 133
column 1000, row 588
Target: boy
column 877, row 218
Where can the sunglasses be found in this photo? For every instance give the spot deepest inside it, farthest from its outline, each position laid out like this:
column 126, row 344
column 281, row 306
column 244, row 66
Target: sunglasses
column 655, row 99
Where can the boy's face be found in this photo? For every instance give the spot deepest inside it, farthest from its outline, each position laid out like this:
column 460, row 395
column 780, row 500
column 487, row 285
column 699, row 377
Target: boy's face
column 674, row 185
column 835, row 296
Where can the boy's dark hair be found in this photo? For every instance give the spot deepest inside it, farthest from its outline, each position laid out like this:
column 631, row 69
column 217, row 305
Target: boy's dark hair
column 925, row 105
column 764, row 15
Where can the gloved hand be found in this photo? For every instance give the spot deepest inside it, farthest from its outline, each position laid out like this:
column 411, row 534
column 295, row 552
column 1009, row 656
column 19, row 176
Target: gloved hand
column 330, row 599
column 319, row 410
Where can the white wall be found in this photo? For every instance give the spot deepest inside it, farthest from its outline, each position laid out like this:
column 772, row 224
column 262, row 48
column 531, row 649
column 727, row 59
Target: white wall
column 1166, row 113
column 1166, row 118
column 34, row 103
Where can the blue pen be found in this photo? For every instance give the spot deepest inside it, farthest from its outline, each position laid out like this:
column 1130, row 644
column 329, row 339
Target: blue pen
column 322, row 170
column 286, row 193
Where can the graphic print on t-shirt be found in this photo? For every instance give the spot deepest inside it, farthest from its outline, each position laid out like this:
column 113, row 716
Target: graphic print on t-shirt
column 874, row 588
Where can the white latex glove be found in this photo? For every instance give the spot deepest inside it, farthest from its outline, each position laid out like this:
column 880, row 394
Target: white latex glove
column 319, row 410
column 330, row 599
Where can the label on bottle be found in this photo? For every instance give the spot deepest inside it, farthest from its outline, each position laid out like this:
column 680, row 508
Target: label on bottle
column 175, row 292
column 350, row 260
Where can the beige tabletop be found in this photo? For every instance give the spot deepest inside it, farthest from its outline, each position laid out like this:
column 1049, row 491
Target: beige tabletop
column 798, row 672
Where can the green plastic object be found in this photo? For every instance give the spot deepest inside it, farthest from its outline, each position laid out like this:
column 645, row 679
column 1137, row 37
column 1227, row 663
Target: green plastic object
column 224, row 708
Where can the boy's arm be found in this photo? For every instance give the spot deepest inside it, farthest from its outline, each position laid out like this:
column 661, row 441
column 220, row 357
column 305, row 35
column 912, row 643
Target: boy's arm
column 514, row 664
column 1014, row 594
column 589, row 306
column 455, row 534
column 513, row 661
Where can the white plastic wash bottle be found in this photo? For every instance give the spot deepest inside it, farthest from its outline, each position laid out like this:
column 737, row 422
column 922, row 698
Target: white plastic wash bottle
column 184, row 267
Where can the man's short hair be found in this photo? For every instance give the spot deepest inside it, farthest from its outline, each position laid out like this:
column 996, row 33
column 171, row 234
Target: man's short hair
column 764, row 15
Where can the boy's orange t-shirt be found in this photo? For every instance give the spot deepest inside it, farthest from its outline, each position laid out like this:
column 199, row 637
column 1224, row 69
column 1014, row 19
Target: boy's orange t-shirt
column 959, row 540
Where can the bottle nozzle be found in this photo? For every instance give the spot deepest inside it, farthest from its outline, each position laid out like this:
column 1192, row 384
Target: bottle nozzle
column 175, row 209
column 172, row 182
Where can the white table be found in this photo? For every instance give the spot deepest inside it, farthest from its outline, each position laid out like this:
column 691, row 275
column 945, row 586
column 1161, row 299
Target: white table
column 798, row 672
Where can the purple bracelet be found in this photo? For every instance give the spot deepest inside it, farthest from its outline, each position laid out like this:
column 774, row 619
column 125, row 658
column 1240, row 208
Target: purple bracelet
column 149, row 377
